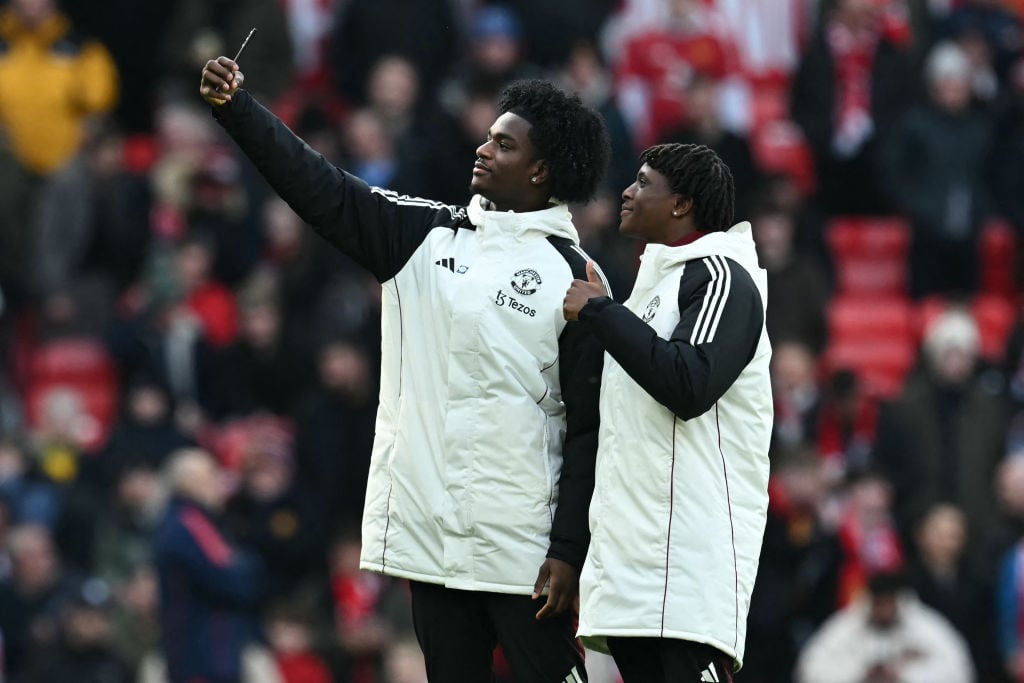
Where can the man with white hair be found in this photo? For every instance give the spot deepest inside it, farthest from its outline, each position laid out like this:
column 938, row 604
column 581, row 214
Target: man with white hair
column 933, row 165
column 208, row 588
column 942, row 439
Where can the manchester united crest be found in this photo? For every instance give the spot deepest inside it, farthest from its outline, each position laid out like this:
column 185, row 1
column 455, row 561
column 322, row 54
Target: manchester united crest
column 526, row 281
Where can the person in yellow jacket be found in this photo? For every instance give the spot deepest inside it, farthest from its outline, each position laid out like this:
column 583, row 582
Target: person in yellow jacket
column 53, row 82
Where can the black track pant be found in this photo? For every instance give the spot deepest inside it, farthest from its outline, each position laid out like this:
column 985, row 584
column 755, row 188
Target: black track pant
column 458, row 631
column 668, row 660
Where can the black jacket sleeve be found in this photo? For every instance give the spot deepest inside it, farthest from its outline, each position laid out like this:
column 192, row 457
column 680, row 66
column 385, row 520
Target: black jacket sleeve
column 581, row 359
column 720, row 324
column 580, row 377
column 377, row 228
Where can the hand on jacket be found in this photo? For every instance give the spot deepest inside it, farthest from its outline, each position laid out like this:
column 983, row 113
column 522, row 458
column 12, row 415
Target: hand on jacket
column 582, row 291
column 563, row 581
column 221, row 77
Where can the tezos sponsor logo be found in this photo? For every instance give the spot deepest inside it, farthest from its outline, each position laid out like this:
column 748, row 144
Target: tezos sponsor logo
column 509, row 301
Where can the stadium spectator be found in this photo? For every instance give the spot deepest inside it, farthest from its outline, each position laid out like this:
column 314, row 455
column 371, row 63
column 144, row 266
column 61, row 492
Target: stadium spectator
column 453, row 132
column 271, row 516
column 847, row 426
column 146, row 434
column 551, row 29
column 943, row 437
column 367, row 30
column 868, row 540
column 31, row 597
column 994, row 24
column 124, row 530
column 704, row 125
column 72, row 80
column 208, row 587
column 656, row 66
column 290, row 637
column 797, row 575
column 198, row 28
column 849, row 89
column 263, row 370
column 933, row 167
column 586, row 74
column 950, row 582
column 796, row 309
column 897, row 639
column 369, row 149
column 546, row 144
column 797, row 395
column 29, row 497
column 83, row 650
column 135, row 624
column 334, row 432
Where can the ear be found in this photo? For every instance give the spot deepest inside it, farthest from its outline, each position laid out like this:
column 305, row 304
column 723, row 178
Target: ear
column 682, row 207
column 539, row 172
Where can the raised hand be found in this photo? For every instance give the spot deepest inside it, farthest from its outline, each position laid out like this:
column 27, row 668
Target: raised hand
column 221, row 77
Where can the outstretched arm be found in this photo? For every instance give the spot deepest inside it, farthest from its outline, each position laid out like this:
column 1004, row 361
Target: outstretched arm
column 377, row 228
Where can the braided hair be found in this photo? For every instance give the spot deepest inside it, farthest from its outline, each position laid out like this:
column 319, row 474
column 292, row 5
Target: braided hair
column 696, row 172
column 569, row 136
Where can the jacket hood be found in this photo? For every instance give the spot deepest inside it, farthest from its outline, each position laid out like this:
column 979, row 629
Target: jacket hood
column 736, row 243
column 553, row 221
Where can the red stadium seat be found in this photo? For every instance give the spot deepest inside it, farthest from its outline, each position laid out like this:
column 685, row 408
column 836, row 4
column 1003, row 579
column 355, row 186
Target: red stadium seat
column 995, row 316
column 779, row 147
column 870, row 255
column 881, row 365
column 83, row 367
column 997, row 252
column 770, row 99
column 871, row 318
column 874, row 337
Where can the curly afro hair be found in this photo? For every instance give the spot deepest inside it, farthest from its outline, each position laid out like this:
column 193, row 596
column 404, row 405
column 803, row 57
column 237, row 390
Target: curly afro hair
column 697, row 173
column 569, row 136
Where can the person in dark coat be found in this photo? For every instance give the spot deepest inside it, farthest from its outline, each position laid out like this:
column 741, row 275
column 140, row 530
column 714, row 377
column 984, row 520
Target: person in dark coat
column 209, row 589
column 943, row 438
column 849, row 89
column 83, row 652
column 933, row 166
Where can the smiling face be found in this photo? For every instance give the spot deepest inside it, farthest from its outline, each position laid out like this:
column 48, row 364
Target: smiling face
column 652, row 212
column 506, row 165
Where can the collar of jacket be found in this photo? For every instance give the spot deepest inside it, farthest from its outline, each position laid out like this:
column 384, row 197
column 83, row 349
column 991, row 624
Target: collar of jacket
column 48, row 32
column 552, row 221
column 736, row 243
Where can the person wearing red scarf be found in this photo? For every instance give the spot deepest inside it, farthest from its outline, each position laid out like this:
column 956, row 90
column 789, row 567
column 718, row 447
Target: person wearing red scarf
column 850, row 87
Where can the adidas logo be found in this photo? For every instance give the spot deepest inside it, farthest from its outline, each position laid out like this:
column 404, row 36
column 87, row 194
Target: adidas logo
column 448, row 263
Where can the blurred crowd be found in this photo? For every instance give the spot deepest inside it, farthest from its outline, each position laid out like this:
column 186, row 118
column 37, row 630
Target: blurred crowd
column 189, row 376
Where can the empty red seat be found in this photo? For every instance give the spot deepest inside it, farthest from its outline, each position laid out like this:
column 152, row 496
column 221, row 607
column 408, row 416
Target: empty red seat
column 870, row 255
column 780, row 147
column 865, row 318
column 881, row 364
column 874, row 337
column 997, row 252
column 995, row 316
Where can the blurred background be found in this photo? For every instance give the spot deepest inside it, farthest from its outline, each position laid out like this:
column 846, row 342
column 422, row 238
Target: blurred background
column 156, row 296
